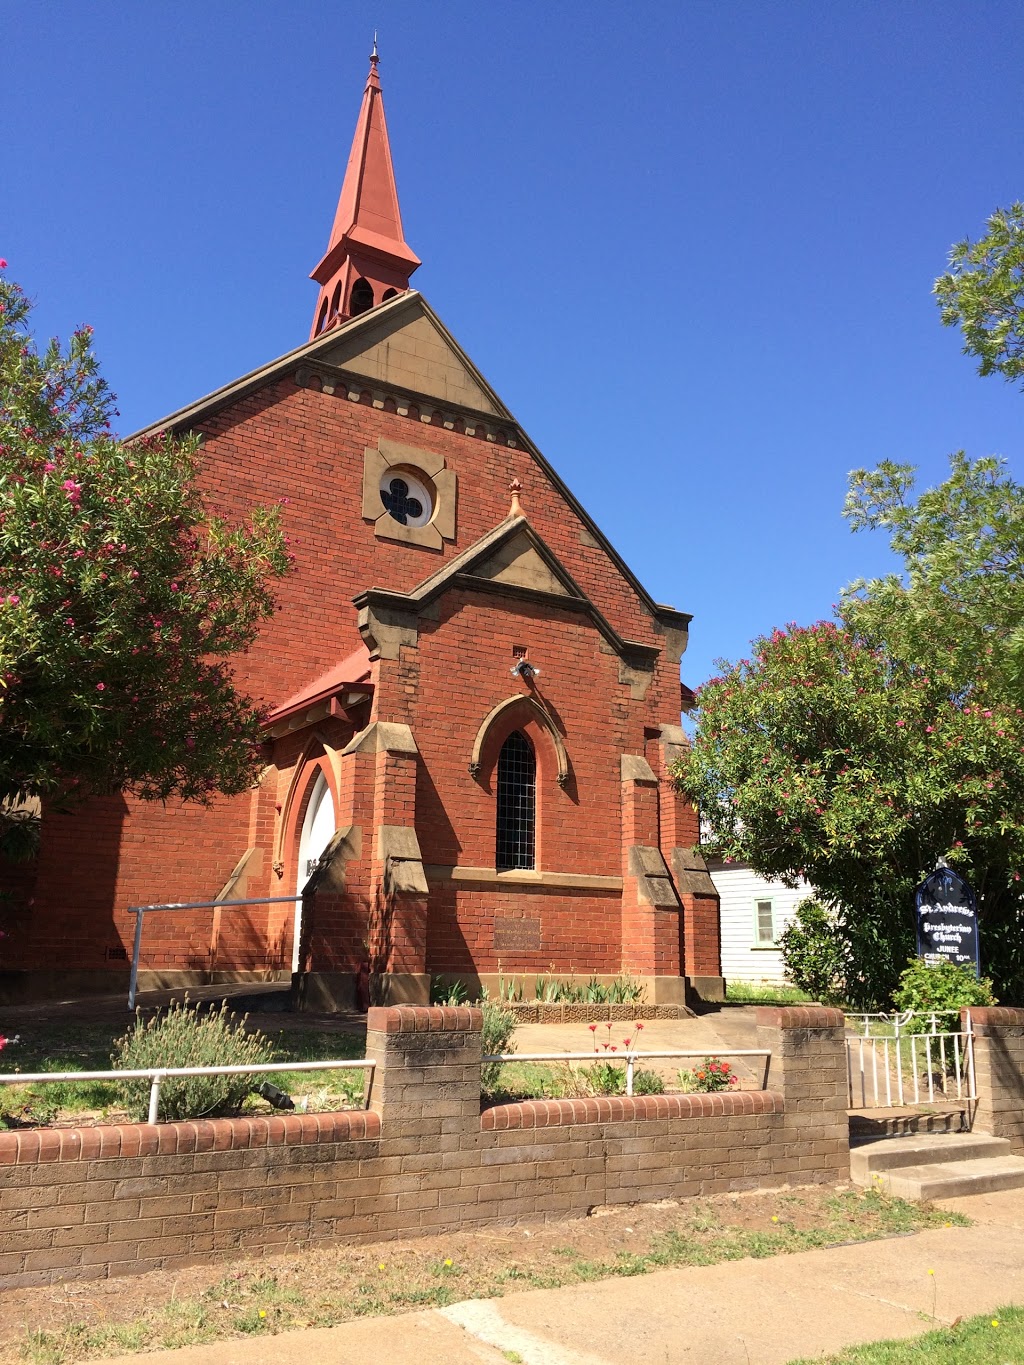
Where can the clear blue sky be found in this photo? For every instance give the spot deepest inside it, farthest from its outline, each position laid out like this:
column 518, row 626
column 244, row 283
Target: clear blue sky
column 692, row 240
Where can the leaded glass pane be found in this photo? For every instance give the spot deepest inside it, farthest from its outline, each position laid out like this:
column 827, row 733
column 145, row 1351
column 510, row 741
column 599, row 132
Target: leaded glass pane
column 517, row 796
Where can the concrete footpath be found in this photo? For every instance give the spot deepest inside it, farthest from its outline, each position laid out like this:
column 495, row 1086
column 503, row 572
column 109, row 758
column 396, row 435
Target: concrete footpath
column 739, row 1313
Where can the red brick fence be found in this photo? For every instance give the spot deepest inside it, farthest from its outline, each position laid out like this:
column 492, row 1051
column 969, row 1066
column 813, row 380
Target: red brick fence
column 92, row 1202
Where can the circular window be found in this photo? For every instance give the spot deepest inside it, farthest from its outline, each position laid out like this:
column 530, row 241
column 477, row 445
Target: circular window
column 407, row 496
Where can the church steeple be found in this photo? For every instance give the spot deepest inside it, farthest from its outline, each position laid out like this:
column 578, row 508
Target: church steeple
column 367, row 259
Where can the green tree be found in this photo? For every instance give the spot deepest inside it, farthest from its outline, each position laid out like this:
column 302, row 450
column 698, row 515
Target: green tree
column 859, row 751
column 827, row 756
column 123, row 596
column 959, row 602
column 982, row 293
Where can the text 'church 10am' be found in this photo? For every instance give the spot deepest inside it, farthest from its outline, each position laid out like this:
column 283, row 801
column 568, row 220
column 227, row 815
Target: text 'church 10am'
column 473, row 703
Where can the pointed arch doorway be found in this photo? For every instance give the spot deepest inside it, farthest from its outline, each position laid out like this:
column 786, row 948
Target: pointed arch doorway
column 318, row 827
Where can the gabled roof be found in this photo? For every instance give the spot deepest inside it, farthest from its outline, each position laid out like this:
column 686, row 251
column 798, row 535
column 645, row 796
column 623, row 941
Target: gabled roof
column 511, row 560
column 364, row 349
column 353, row 672
column 341, row 346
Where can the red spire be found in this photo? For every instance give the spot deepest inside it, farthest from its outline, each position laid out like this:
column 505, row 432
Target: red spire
column 367, row 257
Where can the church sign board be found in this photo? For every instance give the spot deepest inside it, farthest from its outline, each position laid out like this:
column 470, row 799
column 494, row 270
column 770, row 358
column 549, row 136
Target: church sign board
column 947, row 920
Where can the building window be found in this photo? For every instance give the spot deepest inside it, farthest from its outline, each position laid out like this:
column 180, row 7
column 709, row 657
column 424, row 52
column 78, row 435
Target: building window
column 408, row 498
column 517, row 804
column 764, row 925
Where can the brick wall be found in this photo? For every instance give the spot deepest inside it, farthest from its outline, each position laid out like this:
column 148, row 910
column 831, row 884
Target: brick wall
column 999, row 1071
column 85, row 1203
column 306, row 447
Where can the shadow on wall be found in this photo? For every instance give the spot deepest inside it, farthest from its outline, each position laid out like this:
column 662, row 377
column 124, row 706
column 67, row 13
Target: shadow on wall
column 77, row 879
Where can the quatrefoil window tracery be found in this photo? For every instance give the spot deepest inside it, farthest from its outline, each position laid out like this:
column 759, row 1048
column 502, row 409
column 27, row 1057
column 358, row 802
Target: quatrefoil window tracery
column 399, row 503
column 406, row 497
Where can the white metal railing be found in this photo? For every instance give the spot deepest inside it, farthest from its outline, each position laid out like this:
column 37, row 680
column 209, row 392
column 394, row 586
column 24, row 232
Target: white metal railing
column 911, row 1069
column 157, row 1075
column 897, row 1020
column 140, row 912
column 630, row 1057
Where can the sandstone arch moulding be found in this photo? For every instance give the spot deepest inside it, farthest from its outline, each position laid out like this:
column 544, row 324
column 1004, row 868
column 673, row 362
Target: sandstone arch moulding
column 534, row 711
column 302, row 777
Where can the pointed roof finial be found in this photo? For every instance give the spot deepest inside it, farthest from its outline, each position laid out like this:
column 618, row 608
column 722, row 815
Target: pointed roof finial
column 515, row 488
column 368, row 259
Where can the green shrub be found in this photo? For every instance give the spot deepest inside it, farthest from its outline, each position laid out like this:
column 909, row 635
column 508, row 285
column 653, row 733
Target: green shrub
column 186, row 1036
column 604, row 1078
column 945, row 988
column 647, row 1083
column 622, row 990
column 814, row 953
column 448, row 993
column 499, row 1026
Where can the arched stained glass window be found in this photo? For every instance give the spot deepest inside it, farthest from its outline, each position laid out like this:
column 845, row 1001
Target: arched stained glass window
column 517, row 804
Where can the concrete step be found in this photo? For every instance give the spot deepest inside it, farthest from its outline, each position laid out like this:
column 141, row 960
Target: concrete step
column 950, row 1179
column 869, row 1159
column 871, row 1124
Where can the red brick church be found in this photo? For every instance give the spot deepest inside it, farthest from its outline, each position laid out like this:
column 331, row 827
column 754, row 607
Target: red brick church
column 474, row 703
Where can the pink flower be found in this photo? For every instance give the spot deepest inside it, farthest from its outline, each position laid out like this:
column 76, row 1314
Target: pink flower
column 14, row 599
column 101, row 687
column 49, row 467
column 593, row 1028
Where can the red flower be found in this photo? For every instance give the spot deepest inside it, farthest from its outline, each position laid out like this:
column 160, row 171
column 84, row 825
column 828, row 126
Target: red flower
column 593, row 1028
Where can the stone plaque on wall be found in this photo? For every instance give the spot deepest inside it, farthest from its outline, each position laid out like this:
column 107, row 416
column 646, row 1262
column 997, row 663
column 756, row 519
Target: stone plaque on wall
column 516, row 935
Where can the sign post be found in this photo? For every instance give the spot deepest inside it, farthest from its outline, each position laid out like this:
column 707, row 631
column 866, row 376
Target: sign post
column 947, row 920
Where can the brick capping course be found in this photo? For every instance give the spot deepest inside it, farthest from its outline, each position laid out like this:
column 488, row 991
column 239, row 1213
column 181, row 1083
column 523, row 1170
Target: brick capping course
column 610, row 1109
column 989, row 1018
column 800, row 1016
column 123, row 1199
column 174, row 1139
column 423, row 1019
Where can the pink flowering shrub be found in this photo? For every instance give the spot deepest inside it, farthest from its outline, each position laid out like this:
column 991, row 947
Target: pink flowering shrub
column 122, row 594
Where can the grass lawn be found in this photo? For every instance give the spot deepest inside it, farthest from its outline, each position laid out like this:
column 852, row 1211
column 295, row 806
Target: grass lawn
column 81, row 1044
column 321, row 1286
column 991, row 1339
column 751, row 993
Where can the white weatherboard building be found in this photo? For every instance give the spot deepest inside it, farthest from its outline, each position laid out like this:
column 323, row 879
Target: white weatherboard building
column 754, row 914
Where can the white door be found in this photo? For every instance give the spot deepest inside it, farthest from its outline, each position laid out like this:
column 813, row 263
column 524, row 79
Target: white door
column 317, row 830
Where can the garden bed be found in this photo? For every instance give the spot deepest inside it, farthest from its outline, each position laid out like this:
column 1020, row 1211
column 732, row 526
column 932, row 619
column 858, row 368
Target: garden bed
column 576, row 1012
column 84, row 1044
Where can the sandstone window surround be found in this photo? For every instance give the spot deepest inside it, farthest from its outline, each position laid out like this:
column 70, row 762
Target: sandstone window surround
column 409, row 494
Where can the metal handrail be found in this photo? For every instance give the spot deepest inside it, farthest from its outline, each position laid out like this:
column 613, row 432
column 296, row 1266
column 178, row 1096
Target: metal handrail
column 157, row 1074
column 607, row 1055
column 140, row 911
